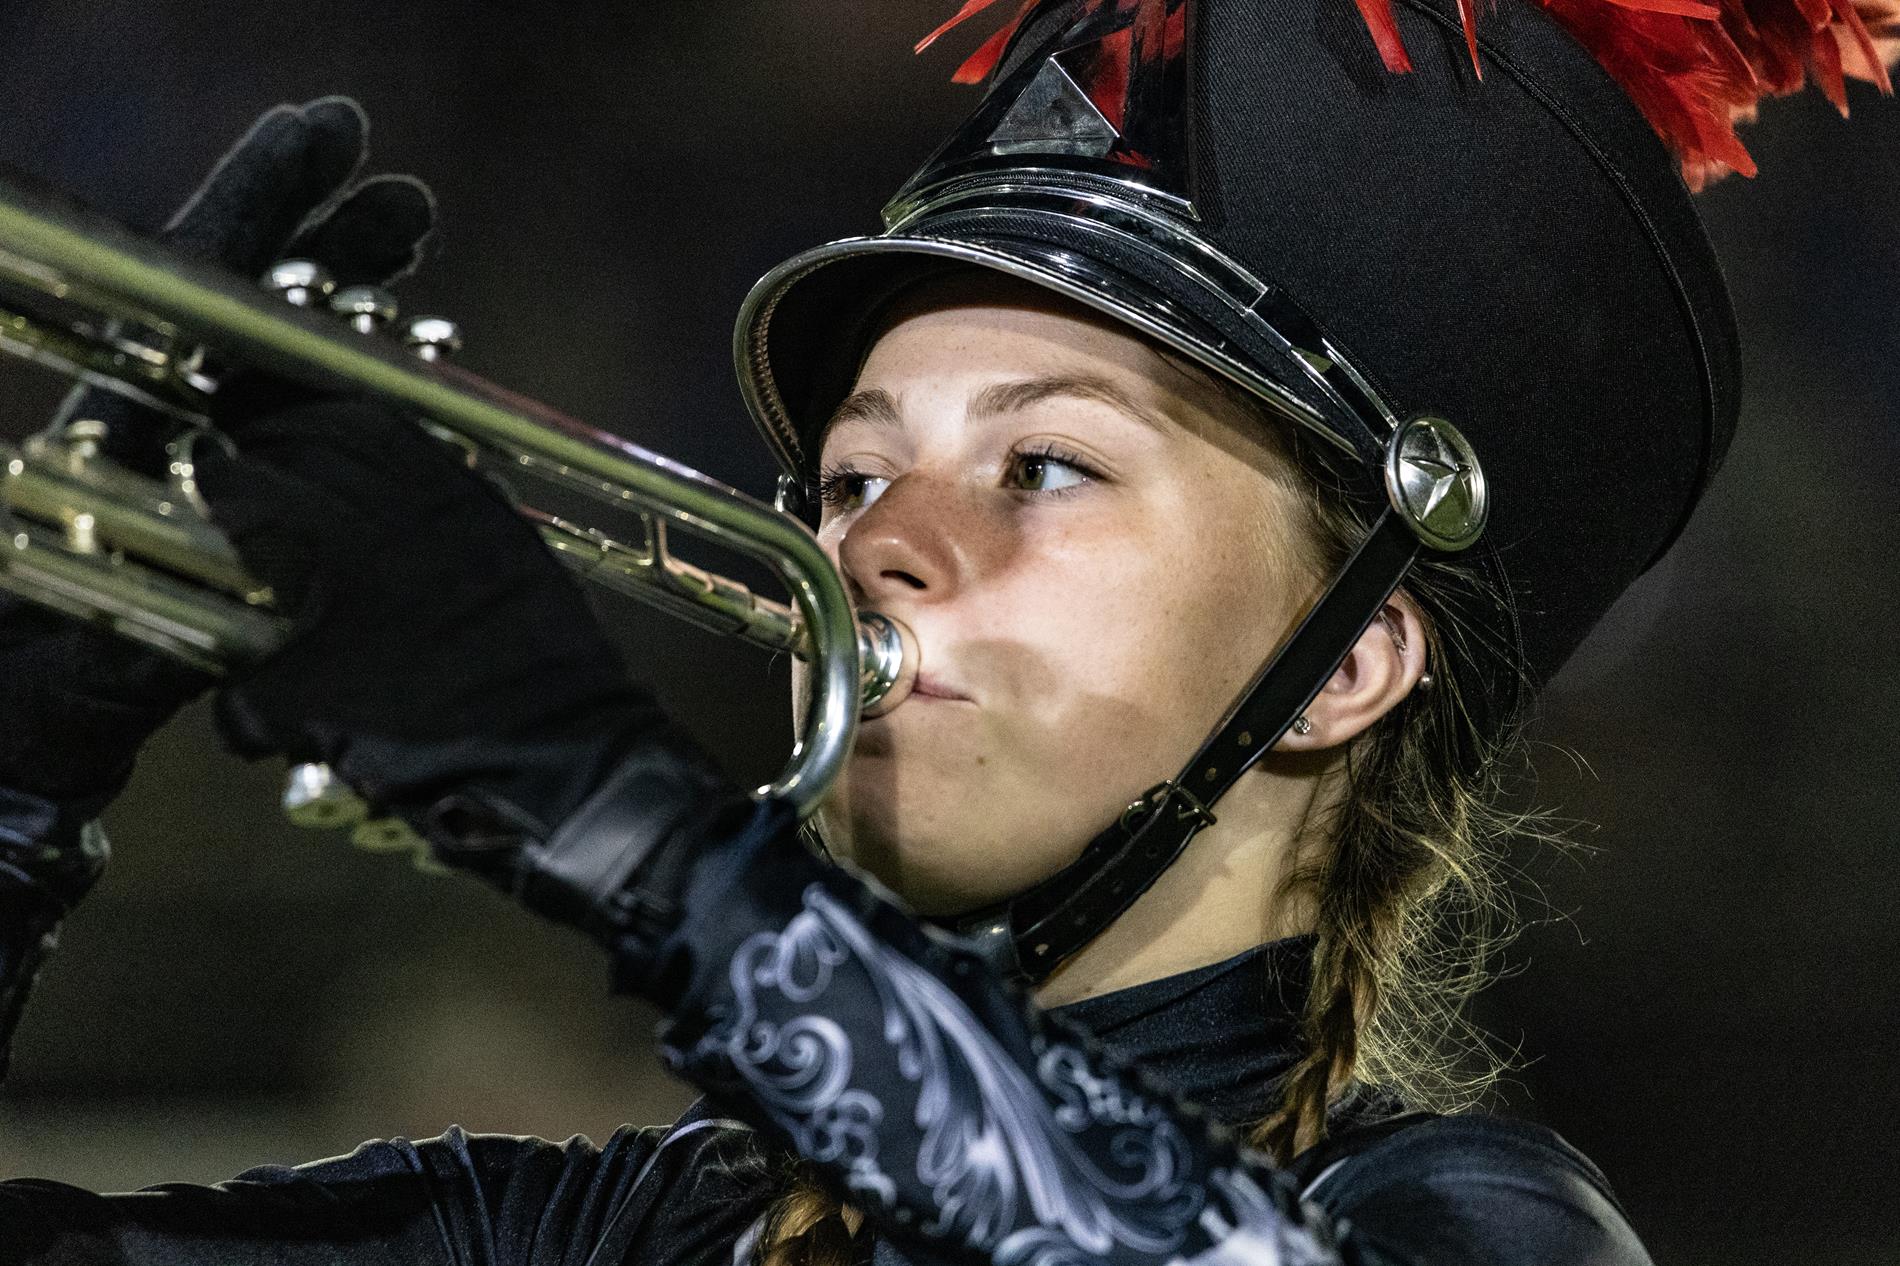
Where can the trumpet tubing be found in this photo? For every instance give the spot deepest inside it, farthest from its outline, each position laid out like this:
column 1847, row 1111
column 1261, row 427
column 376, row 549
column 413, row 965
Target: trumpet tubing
column 89, row 299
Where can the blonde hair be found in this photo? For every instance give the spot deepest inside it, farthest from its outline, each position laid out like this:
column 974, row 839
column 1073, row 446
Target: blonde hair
column 808, row 1226
column 1410, row 908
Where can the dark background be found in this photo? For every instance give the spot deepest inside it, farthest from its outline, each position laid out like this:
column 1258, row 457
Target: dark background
column 1707, row 1005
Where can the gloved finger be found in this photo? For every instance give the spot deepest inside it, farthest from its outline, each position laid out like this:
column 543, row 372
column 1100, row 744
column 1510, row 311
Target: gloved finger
column 332, row 487
column 248, row 733
column 285, row 528
column 291, row 161
column 374, row 236
column 382, row 469
column 286, row 167
column 93, row 664
column 79, row 702
column 251, row 730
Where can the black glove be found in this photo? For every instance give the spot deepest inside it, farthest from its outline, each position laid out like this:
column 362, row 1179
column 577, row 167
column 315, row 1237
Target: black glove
column 79, row 702
column 442, row 661
column 283, row 191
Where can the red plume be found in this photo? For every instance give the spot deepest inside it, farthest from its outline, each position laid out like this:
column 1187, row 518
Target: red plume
column 980, row 63
column 1695, row 68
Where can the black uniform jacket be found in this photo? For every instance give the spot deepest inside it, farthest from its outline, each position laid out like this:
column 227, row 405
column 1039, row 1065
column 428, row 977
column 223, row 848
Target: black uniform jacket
column 969, row 1125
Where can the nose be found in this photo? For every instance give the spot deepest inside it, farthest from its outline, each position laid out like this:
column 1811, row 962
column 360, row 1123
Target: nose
column 907, row 544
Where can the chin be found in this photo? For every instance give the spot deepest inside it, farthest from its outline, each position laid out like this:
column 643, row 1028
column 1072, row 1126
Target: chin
column 926, row 873
column 940, row 864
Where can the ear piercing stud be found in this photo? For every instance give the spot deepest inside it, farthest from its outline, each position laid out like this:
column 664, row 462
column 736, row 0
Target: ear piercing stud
column 1301, row 726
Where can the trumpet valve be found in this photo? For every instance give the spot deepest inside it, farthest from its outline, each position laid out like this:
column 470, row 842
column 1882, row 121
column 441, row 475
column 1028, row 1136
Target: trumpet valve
column 82, row 533
column 432, row 338
column 367, row 309
column 83, row 439
column 300, row 282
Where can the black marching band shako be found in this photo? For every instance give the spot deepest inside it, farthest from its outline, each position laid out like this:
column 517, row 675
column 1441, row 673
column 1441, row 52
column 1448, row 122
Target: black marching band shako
column 1479, row 284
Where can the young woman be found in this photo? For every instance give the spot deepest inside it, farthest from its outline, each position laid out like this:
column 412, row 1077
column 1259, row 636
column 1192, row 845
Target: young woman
column 1174, row 418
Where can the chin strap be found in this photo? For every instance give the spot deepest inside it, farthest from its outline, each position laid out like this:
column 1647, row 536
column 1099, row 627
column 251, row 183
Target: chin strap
column 1028, row 936
column 1436, row 500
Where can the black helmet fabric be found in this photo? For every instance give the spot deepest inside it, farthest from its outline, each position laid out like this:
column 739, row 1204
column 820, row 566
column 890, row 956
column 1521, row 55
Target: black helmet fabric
column 1245, row 181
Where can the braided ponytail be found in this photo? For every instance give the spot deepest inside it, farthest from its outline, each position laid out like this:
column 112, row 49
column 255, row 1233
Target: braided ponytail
column 808, row 1226
column 1340, row 980
column 1409, row 909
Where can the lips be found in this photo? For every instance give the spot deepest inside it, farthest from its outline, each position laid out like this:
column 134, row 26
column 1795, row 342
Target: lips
column 935, row 688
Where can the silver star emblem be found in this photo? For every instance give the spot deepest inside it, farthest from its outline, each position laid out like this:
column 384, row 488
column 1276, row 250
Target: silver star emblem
column 1432, row 477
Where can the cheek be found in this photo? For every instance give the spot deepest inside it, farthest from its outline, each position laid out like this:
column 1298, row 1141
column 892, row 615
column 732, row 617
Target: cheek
column 1149, row 636
column 1106, row 650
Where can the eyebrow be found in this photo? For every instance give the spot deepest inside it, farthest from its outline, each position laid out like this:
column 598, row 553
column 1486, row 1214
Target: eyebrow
column 1010, row 397
column 878, row 407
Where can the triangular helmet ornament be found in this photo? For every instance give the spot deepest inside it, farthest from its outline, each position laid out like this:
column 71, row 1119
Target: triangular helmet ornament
column 1108, row 92
column 1054, row 117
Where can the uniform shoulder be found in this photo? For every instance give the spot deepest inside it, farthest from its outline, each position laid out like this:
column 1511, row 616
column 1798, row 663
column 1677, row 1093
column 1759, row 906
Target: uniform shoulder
column 683, row 1194
column 1477, row 1189
column 701, row 1138
column 704, row 1156
column 679, row 1193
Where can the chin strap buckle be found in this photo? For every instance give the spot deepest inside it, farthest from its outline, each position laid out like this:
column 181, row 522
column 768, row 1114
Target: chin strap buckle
column 1188, row 807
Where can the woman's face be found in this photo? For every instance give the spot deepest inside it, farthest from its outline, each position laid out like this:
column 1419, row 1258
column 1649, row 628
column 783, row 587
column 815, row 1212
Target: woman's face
column 1095, row 558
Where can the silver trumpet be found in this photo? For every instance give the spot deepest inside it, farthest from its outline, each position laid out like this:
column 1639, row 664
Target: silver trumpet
column 140, row 555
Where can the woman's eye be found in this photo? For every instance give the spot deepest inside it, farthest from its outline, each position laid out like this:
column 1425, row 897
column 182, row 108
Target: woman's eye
column 841, row 488
column 850, row 490
column 1045, row 472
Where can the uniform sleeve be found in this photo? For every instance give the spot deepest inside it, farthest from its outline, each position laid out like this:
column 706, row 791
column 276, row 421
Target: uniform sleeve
column 970, row 1126
column 50, row 854
column 681, row 1196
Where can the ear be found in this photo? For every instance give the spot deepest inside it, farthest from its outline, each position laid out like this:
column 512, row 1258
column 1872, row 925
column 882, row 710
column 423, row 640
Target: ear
column 1383, row 667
